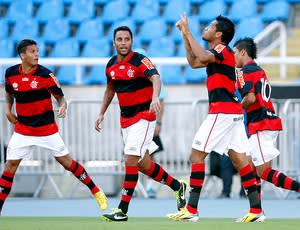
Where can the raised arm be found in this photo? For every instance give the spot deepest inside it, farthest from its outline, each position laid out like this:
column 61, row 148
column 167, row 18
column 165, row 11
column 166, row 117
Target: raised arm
column 107, row 98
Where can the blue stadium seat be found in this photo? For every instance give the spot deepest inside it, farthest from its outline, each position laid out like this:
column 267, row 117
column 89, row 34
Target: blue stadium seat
column 14, row 14
column 6, row 48
column 242, row 9
column 210, row 10
column 102, row 2
column 96, row 76
column 194, row 27
column 197, row 2
column 174, row 9
column 56, row 12
column 161, row 47
column 293, row 1
column 275, row 10
column 4, row 29
column 81, row 10
column 172, row 74
column 39, row 1
column 195, row 75
column 66, row 75
column 141, row 11
column 153, row 29
column 27, row 28
column 248, row 27
column 97, row 48
column 127, row 22
column 56, row 30
column 66, row 48
column 6, row 2
column 90, row 29
column 114, row 11
column 2, row 73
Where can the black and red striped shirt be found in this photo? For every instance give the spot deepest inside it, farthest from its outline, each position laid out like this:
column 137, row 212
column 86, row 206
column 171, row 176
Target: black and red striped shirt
column 221, row 82
column 261, row 114
column 131, row 79
column 32, row 92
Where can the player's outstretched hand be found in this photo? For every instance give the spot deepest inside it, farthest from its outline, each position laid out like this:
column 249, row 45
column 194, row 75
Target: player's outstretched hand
column 155, row 105
column 183, row 24
column 98, row 123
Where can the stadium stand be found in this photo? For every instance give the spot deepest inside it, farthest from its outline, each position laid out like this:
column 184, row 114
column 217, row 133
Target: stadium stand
column 87, row 20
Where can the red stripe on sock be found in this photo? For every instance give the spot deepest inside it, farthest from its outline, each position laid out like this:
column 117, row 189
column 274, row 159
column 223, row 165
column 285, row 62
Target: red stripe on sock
column 73, row 164
column 3, row 196
column 131, row 169
column 275, row 178
column 169, row 180
column 196, row 182
column 255, row 210
column 198, row 167
column 244, row 171
column 160, row 174
column 151, row 169
column 288, row 183
column 79, row 171
column 249, row 183
column 95, row 190
column 191, row 209
column 129, row 184
column 87, row 180
column 5, row 183
column 8, row 174
column 265, row 174
column 126, row 198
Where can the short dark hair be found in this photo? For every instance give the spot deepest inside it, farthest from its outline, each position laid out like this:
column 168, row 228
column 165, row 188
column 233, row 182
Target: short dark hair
column 226, row 26
column 122, row 28
column 248, row 45
column 22, row 45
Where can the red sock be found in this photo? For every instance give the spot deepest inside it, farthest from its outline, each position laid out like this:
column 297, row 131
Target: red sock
column 6, row 182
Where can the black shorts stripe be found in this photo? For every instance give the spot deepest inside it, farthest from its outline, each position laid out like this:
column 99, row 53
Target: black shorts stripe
column 37, row 120
column 131, row 111
column 123, row 86
column 221, row 95
column 228, row 71
column 32, row 96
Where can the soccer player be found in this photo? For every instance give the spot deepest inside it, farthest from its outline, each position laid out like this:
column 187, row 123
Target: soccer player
column 135, row 80
column 263, row 123
column 223, row 130
column 31, row 86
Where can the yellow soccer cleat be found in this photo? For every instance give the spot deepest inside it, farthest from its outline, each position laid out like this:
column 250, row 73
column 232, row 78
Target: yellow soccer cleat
column 252, row 217
column 180, row 195
column 184, row 215
column 101, row 200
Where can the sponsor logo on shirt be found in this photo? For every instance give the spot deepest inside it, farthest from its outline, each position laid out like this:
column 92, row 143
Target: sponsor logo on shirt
column 54, row 79
column 25, row 79
column 147, row 63
column 219, row 48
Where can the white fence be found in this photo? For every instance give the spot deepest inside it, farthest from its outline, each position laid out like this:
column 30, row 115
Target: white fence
column 102, row 154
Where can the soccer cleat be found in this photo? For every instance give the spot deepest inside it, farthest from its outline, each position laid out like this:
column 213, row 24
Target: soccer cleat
column 115, row 215
column 101, row 200
column 252, row 217
column 184, row 215
column 180, row 195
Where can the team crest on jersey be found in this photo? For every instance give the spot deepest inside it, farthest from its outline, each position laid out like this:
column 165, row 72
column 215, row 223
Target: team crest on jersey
column 34, row 84
column 130, row 73
column 147, row 63
column 219, row 48
column 15, row 85
column 54, row 79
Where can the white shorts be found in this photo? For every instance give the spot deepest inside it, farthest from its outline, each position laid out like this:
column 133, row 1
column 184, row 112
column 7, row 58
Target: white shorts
column 21, row 146
column 221, row 132
column 138, row 138
column 262, row 147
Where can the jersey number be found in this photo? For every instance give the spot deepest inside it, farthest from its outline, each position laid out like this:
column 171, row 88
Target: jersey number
column 265, row 89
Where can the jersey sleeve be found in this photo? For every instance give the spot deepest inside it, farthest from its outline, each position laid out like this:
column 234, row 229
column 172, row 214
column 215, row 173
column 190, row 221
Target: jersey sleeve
column 54, row 86
column 218, row 52
column 8, row 86
column 147, row 67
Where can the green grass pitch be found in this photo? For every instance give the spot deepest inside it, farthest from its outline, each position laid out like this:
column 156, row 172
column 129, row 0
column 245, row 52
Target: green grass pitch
column 79, row 223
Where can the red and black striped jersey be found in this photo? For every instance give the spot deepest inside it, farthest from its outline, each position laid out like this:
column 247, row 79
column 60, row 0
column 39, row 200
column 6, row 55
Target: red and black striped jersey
column 131, row 79
column 261, row 114
column 221, row 82
column 32, row 92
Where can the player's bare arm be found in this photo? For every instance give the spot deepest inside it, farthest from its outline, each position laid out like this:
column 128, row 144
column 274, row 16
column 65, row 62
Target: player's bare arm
column 248, row 100
column 155, row 104
column 197, row 56
column 62, row 110
column 107, row 98
column 9, row 98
